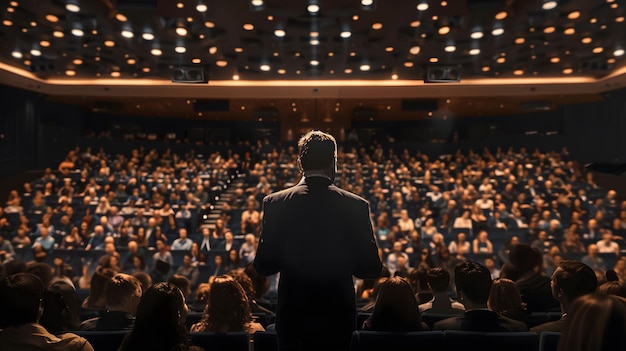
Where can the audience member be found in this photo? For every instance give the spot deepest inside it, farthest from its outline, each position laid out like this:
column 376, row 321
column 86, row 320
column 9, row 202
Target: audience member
column 596, row 322
column 593, row 260
column 160, row 321
column 122, row 294
column 395, row 309
column 571, row 280
column 473, row 286
column 21, row 306
column 529, row 278
column 439, row 283
column 506, row 300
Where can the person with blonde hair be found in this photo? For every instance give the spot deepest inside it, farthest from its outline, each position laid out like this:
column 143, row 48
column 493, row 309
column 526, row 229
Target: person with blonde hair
column 596, row 322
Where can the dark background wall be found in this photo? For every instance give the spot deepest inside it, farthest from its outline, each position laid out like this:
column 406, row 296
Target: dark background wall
column 35, row 133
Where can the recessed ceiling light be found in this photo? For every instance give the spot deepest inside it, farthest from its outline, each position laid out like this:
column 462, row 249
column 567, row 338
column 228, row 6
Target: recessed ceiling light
column 17, row 54
column 585, row 40
column 569, row 31
column 485, row 68
column 593, row 20
column 44, row 43
column 408, row 64
column 444, row 30
column 476, row 35
column 58, row 34
column 555, row 60
column 280, row 33
column 619, row 19
column 281, row 71
column 518, row 72
column 180, row 5
column 209, row 24
column 115, row 74
column 221, row 63
column 256, row 3
column 573, row 15
column 7, row 22
column 414, row 50
column 598, row 50
column 156, row 52
column 549, row 5
column 131, row 61
column 346, row 34
column 238, row 50
column 434, row 60
column 568, row 71
column 355, row 17
column 147, row 36
column 497, row 31
column 610, row 60
column 120, row 17
column 415, row 24
column 549, row 29
column 72, row 7
column 109, row 43
column 201, row 7
column 423, row 6
column 377, row 26
column 181, row 31
column 365, row 67
column 393, row 76
column 618, row 52
column 450, row 48
column 146, row 69
column 180, row 49
column 389, row 49
column 313, row 8
column 127, row 34
column 265, row 67
column 35, row 52
column 352, row 53
column 614, row 6
column 248, row 26
column 331, row 54
column 70, row 73
column 501, row 15
column 77, row 32
column 520, row 40
column 474, row 51
column 52, row 18
column 314, row 42
column 314, row 62
column 501, row 60
column 14, row 3
column 212, row 50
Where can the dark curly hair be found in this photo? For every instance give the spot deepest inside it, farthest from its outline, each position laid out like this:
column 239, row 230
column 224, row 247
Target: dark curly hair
column 228, row 309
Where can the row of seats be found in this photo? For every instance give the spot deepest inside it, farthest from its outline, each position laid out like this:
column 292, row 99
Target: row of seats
column 361, row 341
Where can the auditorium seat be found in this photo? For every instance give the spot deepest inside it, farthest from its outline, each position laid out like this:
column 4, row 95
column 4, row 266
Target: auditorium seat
column 237, row 341
column 363, row 340
column 549, row 341
column 496, row 341
column 431, row 318
column 360, row 318
column 104, row 340
column 265, row 341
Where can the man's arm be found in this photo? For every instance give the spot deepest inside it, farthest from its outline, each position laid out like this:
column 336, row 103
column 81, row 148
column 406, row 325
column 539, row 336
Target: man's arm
column 266, row 261
column 367, row 264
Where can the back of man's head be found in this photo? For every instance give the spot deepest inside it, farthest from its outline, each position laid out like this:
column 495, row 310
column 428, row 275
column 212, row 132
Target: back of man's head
column 122, row 293
column 474, row 280
column 316, row 150
column 41, row 270
column 21, row 297
column 438, row 279
column 575, row 279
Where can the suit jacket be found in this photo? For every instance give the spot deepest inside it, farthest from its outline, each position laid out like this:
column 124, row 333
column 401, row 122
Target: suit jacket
column 317, row 236
column 481, row 320
column 553, row 326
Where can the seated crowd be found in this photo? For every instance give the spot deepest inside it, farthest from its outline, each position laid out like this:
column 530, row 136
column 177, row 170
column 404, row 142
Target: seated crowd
column 475, row 242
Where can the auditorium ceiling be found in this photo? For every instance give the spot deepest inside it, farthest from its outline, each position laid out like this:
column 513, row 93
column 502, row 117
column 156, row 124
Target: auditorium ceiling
column 471, row 57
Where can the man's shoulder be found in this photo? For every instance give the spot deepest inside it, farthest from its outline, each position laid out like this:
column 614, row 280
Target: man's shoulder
column 552, row 326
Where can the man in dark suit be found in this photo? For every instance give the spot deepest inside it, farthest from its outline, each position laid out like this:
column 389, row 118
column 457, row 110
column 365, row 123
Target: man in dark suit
column 473, row 284
column 571, row 280
column 317, row 236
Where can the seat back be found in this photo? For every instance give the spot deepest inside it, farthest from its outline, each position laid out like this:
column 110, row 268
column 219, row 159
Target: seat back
column 364, row 340
column 265, row 341
column 549, row 341
column 492, row 341
column 431, row 318
column 236, row 341
column 104, row 340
